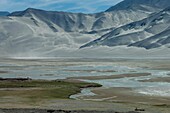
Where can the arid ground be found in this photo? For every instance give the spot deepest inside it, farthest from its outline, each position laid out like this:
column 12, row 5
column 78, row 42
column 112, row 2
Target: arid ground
column 75, row 84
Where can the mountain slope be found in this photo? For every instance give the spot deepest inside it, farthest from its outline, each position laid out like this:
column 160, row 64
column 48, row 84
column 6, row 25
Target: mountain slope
column 149, row 33
column 35, row 32
column 143, row 5
column 21, row 34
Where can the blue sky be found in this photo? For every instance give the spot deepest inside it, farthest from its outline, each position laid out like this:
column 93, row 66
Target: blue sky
column 85, row 6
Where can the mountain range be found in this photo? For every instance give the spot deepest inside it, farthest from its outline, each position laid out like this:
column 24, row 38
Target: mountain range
column 151, row 32
column 140, row 24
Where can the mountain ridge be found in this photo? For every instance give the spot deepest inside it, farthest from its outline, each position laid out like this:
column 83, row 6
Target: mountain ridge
column 38, row 32
column 140, row 33
column 80, row 21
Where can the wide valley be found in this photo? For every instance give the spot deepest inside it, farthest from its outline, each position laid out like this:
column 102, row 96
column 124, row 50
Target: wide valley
column 86, row 84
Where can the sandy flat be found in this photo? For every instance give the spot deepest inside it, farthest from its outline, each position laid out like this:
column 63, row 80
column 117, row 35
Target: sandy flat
column 112, row 77
column 68, row 104
column 103, row 71
column 126, row 95
column 158, row 64
column 159, row 79
column 87, row 106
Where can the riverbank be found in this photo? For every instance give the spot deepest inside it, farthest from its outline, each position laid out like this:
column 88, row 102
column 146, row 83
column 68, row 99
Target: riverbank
column 122, row 80
column 29, row 92
column 55, row 111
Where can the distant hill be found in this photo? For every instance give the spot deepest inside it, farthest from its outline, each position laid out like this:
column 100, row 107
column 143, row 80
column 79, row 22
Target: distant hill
column 4, row 13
